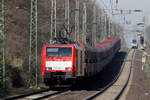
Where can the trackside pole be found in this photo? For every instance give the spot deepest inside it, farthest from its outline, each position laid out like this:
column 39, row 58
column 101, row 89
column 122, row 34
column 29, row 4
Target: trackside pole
column 84, row 24
column 33, row 68
column 77, row 21
column 2, row 46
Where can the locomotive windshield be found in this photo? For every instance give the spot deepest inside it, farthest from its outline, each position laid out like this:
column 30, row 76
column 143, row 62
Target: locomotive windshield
column 60, row 51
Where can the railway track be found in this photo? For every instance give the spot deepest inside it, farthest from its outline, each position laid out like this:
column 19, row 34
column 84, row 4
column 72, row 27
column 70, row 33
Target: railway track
column 37, row 95
column 117, row 87
column 113, row 88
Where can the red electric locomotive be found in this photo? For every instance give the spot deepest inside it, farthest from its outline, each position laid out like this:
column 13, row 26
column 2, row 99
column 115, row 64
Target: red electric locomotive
column 64, row 63
column 57, row 63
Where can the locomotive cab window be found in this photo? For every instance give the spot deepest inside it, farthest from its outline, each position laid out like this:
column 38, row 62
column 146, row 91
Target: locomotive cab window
column 60, row 51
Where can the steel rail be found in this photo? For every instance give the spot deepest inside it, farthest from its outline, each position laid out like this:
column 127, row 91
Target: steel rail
column 120, row 93
column 36, row 93
column 53, row 94
column 25, row 95
column 109, row 85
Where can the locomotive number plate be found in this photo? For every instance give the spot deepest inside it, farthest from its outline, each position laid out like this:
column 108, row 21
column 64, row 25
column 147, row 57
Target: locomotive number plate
column 58, row 65
column 58, row 68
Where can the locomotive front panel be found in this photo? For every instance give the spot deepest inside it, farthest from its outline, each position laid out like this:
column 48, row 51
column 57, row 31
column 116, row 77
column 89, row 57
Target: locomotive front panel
column 57, row 62
column 59, row 59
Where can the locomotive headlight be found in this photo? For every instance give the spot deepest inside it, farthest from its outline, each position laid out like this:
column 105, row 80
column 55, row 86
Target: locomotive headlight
column 68, row 68
column 49, row 68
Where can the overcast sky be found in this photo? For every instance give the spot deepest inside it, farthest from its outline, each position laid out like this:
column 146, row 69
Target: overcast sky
column 133, row 18
column 130, row 5
column 135, row 4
